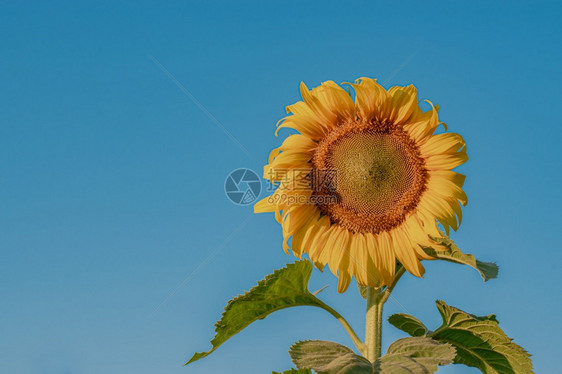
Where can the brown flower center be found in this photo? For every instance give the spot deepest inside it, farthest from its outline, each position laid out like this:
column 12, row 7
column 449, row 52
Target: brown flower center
column 374, row 174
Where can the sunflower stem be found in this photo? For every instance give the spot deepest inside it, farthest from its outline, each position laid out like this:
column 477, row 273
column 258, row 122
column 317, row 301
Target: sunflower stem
column 376, row 297
column 373, row 325
column 356, row 340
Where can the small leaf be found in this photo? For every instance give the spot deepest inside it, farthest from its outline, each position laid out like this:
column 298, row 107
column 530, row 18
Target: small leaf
column 284, row 288
column 328, row 358
column 320, row 290
column 488, row 270
column 420, row 355
column 479, row 342
column 363, row 291
column 408, row 323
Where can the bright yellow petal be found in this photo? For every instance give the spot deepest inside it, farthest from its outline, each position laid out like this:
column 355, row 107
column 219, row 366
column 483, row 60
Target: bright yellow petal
column 385, row 246
column 343, row 260
column 422, row 124
column 371, row 265
column 294, row 143
column 448, row 142
column 446, row 188
column 452, row 176
column 405, row 253
column 417, row 236
column 265, row 206
column 440, row 209
column 321, row 248
column 298, row 216
column 302, row 238
column 336, row 100
column 335, row 247
column 371, row 100
column 404, row 101
column 446, row 161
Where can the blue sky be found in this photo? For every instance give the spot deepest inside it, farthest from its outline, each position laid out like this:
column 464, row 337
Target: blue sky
column 112, row 188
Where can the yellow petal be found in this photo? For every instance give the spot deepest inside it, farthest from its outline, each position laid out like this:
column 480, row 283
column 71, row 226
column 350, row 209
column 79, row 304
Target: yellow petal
column 289, row 160
column 446, row 188
column 299, row 215
column 422, row 124
column 404, row 101
column 405, row 252
column 318, row 250
column 302, row 237
column 442, row 143
column 304, row 121
column 335, row 246
column 265, row 206
column 384, row 246
column 371, row 100
column 452, row 176
column 345, row 267
column 358, row 261
column 446, row 161
column 294, row 143
column 417, row 236
column 440, row 209
column 336, row 100
column 370, row 266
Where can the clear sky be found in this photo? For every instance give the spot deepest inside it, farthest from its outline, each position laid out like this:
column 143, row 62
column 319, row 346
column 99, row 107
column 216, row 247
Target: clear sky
column 118, row 245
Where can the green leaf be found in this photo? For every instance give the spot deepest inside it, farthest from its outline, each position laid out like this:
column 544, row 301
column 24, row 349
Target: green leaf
column 284, row 288
column 419, row 355
column 479, row 342
column 406, row 322
column 328, row 358
column 488, row 270
column 295, row 371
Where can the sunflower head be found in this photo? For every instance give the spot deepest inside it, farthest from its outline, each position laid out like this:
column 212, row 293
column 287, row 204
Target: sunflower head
column 366, row 182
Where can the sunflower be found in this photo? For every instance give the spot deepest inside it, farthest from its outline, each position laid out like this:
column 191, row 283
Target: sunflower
column 366, row 182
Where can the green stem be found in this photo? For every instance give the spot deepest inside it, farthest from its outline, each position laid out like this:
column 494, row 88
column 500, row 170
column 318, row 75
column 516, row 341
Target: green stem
column 373, row 325
column 358, row 343
column 397, row 277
